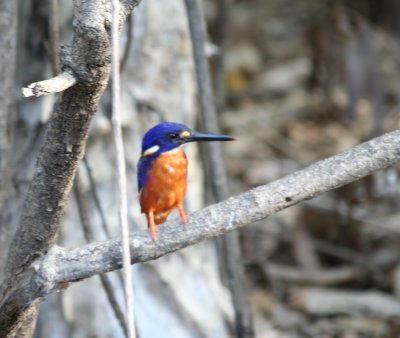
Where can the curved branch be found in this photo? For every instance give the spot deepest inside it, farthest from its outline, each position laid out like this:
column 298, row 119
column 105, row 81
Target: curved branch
column 61, row 266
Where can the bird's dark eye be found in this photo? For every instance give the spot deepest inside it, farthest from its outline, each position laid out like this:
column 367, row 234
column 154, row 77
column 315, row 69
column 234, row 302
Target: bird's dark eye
column 173, row 137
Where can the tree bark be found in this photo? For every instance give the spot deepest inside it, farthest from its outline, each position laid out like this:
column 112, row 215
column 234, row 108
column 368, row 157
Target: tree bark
column 58, row 159
column 54, row 270
column 8, row 46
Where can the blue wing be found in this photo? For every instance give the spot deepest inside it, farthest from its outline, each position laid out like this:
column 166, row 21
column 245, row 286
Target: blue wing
column 143, row 168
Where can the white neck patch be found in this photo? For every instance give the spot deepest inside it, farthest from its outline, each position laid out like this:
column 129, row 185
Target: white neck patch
column 150, row 150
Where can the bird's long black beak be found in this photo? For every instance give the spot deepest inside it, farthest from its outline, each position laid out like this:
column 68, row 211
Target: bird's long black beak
column 196, row 136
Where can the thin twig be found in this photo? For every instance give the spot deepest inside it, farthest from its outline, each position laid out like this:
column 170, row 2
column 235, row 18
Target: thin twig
column 140, row 25
column 100, row 210
column 231, row 251
column 83, row 208
column 206, row 99
column 96, row 200
column 222, row 22
column 56, row 84
column 121, row 170
column 128, row 45
column 54, row 33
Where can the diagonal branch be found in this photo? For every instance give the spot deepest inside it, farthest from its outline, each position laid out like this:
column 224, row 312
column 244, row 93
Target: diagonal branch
column 234, row 212
column 61, row 266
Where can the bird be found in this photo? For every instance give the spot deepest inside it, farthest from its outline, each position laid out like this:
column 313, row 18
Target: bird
column 162, row 170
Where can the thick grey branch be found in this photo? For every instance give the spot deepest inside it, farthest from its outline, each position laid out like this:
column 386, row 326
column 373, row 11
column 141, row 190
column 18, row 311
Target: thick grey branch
column 234, row 212
column 69, row 265
column 88, row 57
column 61, row 266
column 65, row 141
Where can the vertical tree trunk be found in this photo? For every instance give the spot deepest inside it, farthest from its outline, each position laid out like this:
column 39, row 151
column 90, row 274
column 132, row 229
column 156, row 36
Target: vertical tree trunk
column 58, row 159
column 8, row 46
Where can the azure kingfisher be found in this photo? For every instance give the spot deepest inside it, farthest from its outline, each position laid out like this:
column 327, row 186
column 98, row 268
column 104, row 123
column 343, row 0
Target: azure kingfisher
column 162, row 170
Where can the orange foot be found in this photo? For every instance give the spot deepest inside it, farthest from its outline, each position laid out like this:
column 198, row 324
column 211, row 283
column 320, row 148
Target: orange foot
column 151, row 225
column 182, row 214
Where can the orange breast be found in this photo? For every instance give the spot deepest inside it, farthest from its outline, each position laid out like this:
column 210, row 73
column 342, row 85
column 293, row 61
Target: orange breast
column 165, row 184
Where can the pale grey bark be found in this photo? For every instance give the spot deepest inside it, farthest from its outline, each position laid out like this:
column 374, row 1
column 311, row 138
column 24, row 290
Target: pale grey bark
column 8, row 46
column 58, row 267
column 59, row 157
column 158, row 82
column 8, row 41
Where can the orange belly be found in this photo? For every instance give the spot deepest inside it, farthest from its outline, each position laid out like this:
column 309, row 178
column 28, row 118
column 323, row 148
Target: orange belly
column 165, row 184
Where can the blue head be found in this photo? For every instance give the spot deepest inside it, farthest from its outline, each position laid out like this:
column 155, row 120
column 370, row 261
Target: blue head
column 163, row 137
column 166, row 136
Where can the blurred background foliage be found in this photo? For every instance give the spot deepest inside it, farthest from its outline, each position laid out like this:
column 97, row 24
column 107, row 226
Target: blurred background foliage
column 305, row 80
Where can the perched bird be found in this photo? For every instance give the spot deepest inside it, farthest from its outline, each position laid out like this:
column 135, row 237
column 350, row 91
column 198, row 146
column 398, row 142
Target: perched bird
column 162, row 170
